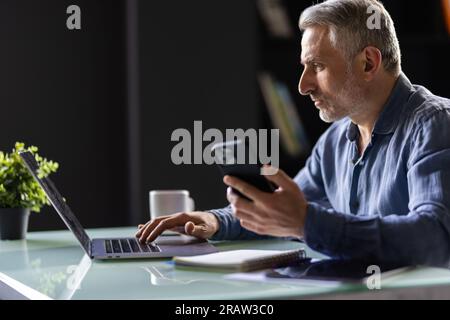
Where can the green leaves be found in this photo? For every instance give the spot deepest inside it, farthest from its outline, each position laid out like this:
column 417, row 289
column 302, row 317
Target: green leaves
column 18, row 189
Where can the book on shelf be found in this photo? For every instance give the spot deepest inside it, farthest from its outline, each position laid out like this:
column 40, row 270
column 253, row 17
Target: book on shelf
column 446, row 13
column 275, row 18
column 293, row 117
column 284, row 115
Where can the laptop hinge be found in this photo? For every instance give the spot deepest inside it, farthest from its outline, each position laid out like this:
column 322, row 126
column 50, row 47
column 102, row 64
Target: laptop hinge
column 90, row 249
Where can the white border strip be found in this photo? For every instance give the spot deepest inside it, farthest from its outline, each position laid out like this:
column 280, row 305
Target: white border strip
column 24, row 290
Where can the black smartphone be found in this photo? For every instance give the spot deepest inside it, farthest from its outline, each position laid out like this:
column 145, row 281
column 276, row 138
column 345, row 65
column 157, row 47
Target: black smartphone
column 240, row 166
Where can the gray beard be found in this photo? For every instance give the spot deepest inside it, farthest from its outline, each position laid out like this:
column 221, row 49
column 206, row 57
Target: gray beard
column 354, row 105
column 327, row 119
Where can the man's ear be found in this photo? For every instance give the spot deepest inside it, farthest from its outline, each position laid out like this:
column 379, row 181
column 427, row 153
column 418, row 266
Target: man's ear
column 372, row 61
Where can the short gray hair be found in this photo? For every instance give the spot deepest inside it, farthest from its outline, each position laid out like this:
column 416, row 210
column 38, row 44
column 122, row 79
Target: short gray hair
column 349, row 31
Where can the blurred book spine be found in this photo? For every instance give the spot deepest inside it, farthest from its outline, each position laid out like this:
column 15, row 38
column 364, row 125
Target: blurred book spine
column 275, row 18
column 446, row 13
column 293, row 117
column 284, row 115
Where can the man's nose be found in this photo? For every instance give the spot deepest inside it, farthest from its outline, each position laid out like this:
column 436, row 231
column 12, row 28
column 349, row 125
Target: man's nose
column 306, row 84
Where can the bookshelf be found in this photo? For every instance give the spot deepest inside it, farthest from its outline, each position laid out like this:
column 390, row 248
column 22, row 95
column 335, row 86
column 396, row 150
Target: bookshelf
column 279, row 60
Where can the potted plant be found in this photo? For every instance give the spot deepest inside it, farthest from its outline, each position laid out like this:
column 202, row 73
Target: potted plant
column 19, row 192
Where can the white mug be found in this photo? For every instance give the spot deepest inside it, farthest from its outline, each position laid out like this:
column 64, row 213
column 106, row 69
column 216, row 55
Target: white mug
column 165, row 202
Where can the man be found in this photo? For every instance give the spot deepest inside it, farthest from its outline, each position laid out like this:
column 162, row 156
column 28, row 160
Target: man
column 377, row 184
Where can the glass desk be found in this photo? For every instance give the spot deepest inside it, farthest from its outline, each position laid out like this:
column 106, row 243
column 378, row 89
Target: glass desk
column 51, row 265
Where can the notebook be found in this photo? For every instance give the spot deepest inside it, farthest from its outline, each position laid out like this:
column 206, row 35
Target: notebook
column 243, row 260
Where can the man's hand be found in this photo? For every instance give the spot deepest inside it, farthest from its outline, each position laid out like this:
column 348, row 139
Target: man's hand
column 198, row 224
column 281, row 214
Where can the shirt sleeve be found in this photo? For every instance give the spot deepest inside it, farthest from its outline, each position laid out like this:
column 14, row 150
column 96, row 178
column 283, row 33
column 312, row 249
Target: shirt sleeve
column 230, row 227
column 420, row 237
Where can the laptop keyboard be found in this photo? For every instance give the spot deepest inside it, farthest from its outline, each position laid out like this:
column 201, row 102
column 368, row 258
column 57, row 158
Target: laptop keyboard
column 129, row 245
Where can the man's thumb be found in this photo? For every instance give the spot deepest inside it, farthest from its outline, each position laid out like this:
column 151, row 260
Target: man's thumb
column 193, row 230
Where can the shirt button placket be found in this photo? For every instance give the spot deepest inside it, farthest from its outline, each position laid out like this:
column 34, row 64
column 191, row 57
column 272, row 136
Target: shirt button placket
column 354, row 203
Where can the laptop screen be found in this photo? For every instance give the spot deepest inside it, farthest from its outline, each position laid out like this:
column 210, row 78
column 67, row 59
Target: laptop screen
column 57, row 201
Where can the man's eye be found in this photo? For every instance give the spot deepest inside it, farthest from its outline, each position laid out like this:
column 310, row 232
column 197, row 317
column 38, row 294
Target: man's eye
column 317, row 66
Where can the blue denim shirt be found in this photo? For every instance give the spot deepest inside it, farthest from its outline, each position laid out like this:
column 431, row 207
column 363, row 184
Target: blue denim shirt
column 392, row 203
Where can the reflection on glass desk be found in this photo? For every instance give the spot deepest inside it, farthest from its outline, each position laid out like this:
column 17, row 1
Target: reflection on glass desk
column 326, row 272
column 52, row 265
column 336, row 271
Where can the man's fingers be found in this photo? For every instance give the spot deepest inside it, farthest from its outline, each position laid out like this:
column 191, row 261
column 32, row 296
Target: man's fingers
column 141, row 229
column 239, row 202
column 248, row 216
column 281, row 179
column 145, row 231
column 245, row 188
column 140, row 226
column 254, row 227
column 168, row 223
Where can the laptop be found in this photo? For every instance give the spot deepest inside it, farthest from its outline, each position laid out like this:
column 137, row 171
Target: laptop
column 115, row 248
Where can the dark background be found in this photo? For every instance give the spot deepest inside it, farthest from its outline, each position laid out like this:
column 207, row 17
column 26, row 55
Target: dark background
column 103, row 101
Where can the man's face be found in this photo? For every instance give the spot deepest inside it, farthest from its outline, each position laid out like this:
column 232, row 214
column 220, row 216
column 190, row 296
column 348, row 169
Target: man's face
column 327, row 77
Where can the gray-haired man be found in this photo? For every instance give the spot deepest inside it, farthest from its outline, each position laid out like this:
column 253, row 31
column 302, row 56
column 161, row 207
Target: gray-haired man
column 377, row 184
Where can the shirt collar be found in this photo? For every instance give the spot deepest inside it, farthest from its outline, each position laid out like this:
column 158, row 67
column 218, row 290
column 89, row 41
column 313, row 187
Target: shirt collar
column 352, row 131
column 388, row 119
